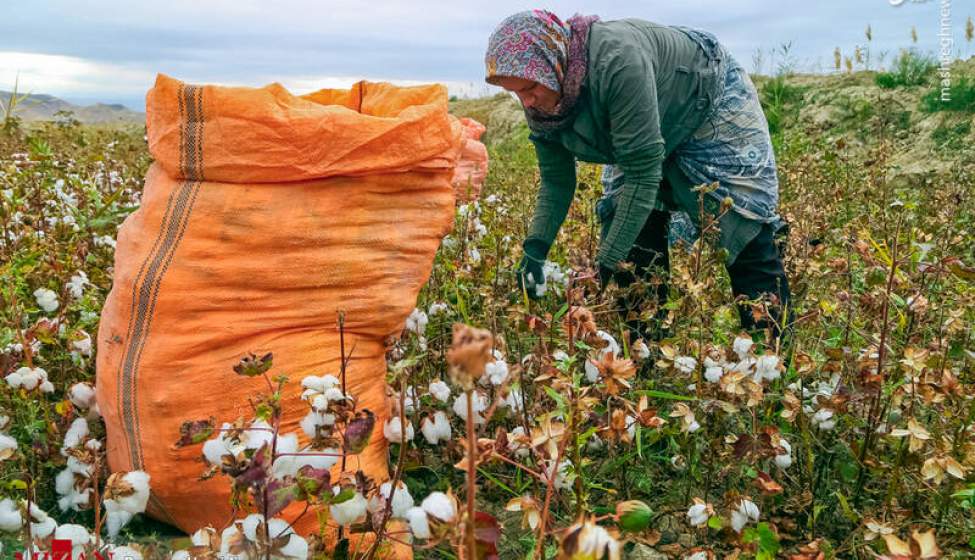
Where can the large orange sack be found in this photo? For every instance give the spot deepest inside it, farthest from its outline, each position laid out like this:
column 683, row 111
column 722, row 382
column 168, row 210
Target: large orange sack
column 264, row 216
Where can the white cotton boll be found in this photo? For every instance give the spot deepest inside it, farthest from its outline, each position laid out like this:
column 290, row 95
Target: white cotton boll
column 7, row 444
column 475, row 255
column 693, row 425
column 742, row 346
column 767, row 367
column 319, row 403
column 393, row 430
column 76, row 287
column 697, row 514
column 64, row 482
column 824, row 419
column 46, row 299
column 437, row 308
column 495, row 372
column 125, row 553
column 479, row 405
column 738, row 520
column 440, row 390
column 747, row 511
column 783, row 461
column 560, row 356
column 258, row 434
column 713, row 374
column 310, row 422
column 563, row 479
column 334, row 394
column 592, row 372
column 83, row 345
column 249, row 526
column 540, row 287
column 409, row 400
column 297, row 548
column 631, row 426
column 517, row 442
column 46, row 387
column 214, row 450
column 76, row 466
column 417, row 321
column 448, row 243
column 44, row 526
column 76, row 434
column 402, row 500
column 31, row 378
column 347, row 512
column 78, row 535
column 436, row 429
column 135, row 502
column 10, row 518
column 180, row 555
column 419, row 523
column 82, row 395
column 439, row 506
column 611, row 347
column 640, row 350
column 226, row 537
column 685, row 364
column 479, row 228
column 74, row 500
column 15, row 380
column 515, row 401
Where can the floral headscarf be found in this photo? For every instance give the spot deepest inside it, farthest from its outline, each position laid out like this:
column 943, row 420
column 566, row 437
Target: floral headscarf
column 536, row 45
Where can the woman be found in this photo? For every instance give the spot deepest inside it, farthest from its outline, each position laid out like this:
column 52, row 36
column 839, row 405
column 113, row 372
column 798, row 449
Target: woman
column 666, row 109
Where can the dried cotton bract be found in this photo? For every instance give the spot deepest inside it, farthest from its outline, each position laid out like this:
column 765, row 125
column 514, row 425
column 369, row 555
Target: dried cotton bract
column 469, row 354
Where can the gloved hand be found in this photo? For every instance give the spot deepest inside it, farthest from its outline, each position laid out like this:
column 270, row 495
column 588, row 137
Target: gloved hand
column 605, row 275
column 531, row 276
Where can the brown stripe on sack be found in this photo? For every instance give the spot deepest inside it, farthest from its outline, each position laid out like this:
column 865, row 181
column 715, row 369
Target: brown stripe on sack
column 145, row 290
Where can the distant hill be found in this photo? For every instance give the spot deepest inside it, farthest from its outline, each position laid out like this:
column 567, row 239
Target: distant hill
column 42, row 107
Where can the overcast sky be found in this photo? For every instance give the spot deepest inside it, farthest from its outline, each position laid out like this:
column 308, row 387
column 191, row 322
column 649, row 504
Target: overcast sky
column 96, row 50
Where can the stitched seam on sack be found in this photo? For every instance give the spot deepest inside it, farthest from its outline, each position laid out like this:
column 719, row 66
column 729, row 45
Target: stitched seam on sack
column 171, row 232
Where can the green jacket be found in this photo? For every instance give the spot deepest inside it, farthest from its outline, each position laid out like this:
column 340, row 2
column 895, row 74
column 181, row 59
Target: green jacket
column 648, row 87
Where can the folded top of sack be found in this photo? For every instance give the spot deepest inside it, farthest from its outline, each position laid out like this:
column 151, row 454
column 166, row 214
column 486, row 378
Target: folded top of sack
column 267, row 134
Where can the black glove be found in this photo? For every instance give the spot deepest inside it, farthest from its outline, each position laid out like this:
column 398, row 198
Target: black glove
column 531, row 277
column 605, row 275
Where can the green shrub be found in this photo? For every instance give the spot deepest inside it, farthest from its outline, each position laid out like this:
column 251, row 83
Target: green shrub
column 911, row 68
column 961, row 97
column 951, row 136
column 779, row 102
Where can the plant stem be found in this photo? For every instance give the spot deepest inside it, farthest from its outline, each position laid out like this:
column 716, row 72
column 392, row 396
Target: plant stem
column 471, row 473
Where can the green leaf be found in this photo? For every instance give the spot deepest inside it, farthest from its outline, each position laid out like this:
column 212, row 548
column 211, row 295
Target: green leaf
column 847, row 510
column 555, row 396
column 343, row 496
column 715, row 522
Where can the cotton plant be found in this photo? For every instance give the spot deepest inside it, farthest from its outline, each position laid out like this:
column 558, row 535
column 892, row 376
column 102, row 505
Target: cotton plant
column 76, row 286
column 244, row 540
column 73, row 484
column 126, row 495
column 46, row 299
column 609, row 348
column 746, row 512
column 29, row 379
column 436, row 428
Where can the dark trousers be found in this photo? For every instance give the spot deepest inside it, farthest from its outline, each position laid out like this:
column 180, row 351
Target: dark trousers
column 757, row 273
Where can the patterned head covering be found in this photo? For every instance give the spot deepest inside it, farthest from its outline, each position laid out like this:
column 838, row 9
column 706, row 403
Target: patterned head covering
column 536, row 45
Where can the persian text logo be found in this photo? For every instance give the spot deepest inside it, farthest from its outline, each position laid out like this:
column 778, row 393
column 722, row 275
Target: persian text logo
column 61, row 550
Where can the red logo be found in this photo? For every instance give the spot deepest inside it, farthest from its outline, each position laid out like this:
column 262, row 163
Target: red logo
column 61, row 550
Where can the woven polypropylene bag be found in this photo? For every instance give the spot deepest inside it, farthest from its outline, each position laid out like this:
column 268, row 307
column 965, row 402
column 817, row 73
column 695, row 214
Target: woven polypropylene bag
column 264, row 216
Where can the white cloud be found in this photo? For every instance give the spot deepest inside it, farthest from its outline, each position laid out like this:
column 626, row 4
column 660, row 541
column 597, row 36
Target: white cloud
column 46, row 73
